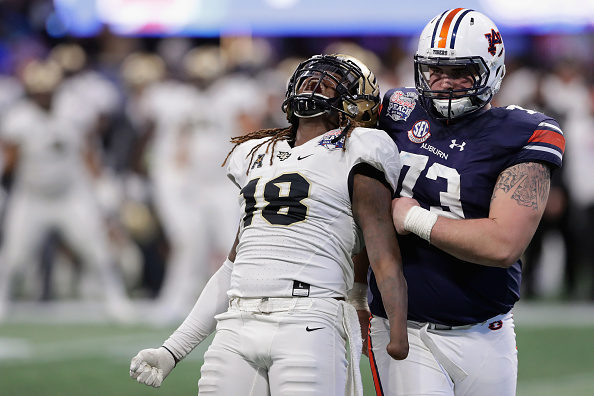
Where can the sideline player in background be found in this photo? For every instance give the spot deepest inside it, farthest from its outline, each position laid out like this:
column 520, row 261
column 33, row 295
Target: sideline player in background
column 311, row 194
column 473, row 188
column 50, row 151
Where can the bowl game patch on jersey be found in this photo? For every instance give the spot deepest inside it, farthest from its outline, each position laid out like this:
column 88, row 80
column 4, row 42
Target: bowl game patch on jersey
column 401, row 105
column 328, row 140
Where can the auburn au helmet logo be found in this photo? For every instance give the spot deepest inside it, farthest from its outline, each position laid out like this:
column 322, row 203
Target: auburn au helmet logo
column 493, row 38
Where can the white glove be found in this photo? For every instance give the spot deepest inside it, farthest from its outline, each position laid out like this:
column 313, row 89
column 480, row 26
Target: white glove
column 152, row 366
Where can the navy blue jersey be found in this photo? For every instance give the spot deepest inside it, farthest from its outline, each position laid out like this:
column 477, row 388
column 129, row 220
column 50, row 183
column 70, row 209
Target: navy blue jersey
column 452, row 170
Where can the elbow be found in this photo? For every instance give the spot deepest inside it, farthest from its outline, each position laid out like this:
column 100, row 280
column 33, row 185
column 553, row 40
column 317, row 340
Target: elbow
column 506, row 263
column 505, row 257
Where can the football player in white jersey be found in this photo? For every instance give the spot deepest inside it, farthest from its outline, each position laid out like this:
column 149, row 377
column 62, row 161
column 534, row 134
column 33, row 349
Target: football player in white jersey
column 193, row 125
column 312, row 195
column 49, row 153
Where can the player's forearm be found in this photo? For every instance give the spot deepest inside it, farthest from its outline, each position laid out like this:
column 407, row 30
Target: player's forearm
column 479, row 241
column 385, row 260
column 392, row 286
column 517, row 204
column 372, row 211
column 200, row 323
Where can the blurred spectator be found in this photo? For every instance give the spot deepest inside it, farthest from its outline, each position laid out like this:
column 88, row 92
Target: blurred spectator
column 578, row 173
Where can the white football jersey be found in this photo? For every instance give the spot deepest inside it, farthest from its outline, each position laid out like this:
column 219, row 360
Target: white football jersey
column 50, row 148
column 297, row 232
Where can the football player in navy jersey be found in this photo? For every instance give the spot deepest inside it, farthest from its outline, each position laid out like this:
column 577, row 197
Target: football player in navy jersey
column 311, row 195
column 472, row 190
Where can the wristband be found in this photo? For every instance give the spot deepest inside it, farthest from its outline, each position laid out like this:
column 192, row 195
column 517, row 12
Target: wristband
column 420, row 221
column 358, row 297
column 175, row 359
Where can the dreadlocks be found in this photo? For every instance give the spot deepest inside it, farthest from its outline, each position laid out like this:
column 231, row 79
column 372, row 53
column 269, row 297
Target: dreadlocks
column 277, row 134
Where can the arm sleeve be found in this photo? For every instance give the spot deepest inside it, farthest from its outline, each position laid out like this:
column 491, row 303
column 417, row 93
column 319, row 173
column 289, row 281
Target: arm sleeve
column 201, row 322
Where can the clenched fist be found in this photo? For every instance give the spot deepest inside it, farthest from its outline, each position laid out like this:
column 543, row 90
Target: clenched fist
column 152, row 366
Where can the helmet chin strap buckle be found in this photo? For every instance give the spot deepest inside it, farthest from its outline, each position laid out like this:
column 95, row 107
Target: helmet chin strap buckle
column 305, row 105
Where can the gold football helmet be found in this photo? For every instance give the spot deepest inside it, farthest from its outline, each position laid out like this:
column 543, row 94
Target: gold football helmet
column 357, row 91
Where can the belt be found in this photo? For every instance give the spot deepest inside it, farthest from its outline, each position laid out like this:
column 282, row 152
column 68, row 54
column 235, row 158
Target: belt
column 276, row 304
column 437, row 326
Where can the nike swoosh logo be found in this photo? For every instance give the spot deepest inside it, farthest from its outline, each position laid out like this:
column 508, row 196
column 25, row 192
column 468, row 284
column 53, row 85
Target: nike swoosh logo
column 300, row 157
column 313, row 328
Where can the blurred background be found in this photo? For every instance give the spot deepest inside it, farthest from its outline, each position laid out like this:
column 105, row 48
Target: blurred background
column 115, row 118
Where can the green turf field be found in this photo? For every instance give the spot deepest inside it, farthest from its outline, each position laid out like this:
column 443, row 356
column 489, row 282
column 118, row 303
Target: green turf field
column 93, row 359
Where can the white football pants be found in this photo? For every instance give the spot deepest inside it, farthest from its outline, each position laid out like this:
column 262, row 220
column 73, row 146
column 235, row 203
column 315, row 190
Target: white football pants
column 282, row 346
column 75, row 215
column 477, row 361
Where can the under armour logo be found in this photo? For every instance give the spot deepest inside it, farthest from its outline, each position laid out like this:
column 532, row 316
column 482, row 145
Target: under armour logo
column 460, row 146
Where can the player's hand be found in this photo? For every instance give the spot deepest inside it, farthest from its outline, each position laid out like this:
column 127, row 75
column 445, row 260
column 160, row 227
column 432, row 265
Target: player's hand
column 398, row 346
column 397, row 351
column 364, row 317
column 400, row 207
column 152, row 366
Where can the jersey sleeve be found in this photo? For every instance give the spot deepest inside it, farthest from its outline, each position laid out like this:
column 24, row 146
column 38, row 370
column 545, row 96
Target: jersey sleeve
column 234, row 168
column 238, row 162
column 375, row 147
column 546, row 144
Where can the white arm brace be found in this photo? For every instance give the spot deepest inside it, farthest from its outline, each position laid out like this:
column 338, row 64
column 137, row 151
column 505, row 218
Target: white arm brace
column 200, row 323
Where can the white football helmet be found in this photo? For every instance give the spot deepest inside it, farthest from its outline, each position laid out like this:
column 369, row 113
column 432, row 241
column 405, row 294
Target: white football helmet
column 466, row 38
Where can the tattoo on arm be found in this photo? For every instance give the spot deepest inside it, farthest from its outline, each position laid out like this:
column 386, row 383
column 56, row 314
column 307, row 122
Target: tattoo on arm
column 528, row 183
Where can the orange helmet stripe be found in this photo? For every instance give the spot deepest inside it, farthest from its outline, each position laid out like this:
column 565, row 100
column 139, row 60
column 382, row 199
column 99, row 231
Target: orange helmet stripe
column 443, row 34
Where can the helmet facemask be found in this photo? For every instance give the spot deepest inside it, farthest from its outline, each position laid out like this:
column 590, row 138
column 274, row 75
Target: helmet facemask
column 308, row 101
column 356, row 91
column 470, row 42
column 456, row 102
